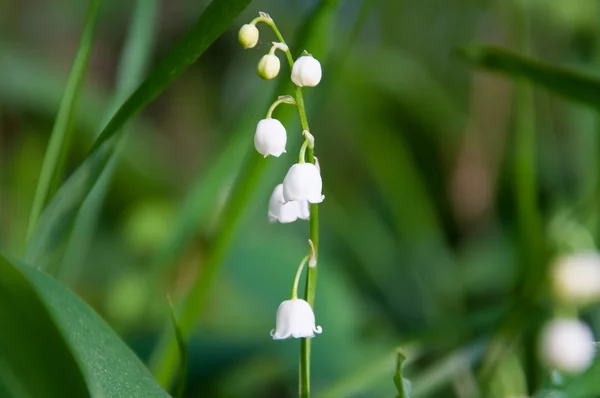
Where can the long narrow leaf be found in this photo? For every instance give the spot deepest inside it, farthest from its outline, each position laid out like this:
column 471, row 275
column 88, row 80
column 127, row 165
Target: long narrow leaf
column 57, row 218
column 134, row 61
column 569, row 83
column 60, row 137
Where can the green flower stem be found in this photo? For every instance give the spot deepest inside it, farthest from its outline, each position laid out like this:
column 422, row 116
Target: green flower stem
column 311, row 279
column 297, row 278
column 270, row 22
column 286, row 99
column 302, row 155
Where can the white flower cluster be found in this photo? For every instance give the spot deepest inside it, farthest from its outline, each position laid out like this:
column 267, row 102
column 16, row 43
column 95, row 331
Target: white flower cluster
column 302, row 184
column 567, row 344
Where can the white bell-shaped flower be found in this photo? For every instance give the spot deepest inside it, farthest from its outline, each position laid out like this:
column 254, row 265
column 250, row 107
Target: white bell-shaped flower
column 270, row 137
column 248, row 35
column 268, row 66
column 286, row 212
column 306, row 71
column 568, row 346
column 295, row 318
column 303, row 182
column 576, row 278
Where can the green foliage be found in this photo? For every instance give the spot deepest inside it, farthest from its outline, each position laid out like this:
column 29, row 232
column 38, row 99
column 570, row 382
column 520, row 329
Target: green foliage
column 402, row 385
column 570, row 83
column 109, row 367
column 56, row 153
column 59, row 213
column 182, row 371
column 35, row 359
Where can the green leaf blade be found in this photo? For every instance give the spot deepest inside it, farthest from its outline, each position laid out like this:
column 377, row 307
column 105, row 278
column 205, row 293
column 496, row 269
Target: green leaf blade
column 35, row 359
column 570, row 83
column 62, row 129
column 402, row 385
column 110, row 368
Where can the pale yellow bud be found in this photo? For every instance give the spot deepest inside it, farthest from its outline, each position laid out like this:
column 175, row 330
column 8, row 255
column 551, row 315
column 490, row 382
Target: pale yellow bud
column 268, row 66
column 248, row 36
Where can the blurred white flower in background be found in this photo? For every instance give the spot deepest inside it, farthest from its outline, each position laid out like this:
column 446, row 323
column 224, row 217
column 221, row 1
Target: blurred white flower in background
column 568, row 346
column 576, row 278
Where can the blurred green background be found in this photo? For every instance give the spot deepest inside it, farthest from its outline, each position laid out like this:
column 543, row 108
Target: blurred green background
column 420, row 228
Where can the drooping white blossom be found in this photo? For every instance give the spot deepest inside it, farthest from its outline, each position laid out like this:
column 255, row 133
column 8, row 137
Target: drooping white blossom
column 306, row 71
column 568, row 346
column 303, row 182
column 295, row 318
column 248, row 35
column 576, row 278
column 270, row 137
column 286, row 212
column 268, row 66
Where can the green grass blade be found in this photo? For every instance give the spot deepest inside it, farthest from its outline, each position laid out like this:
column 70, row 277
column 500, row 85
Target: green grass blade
column 164, row 358
column 217, row 17
column 60, row 137
column 56, row 220
column 134, row 61
column 402, row 385
column 183, row 353
column 569, row 83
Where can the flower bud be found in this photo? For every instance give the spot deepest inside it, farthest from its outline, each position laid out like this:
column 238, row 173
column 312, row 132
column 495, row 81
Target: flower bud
column 270, row 137
column 268, row 66
column 248, row 35
column 306, row 71
column 286, row 212
column 303, row 182
column 295, row 318
column 568, row 346
column 576, row 278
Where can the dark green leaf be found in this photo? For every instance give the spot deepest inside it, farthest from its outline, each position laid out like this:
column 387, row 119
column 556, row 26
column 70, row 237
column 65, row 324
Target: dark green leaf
column 402, row 385
column 569, row 83
column 110, row 368
column 35, row 360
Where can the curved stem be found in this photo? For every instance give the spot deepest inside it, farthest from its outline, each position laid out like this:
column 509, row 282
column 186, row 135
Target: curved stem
column 281, row 100
column 297, row 278
column 270, row 22
column 301, row 156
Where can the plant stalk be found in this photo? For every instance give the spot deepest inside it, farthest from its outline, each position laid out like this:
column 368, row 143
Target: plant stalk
column 311, row 279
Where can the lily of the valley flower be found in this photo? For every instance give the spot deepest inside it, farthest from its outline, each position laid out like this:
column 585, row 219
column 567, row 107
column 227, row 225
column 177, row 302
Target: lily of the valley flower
column 248, row 35
column 576, row 278
column 568, row 346
column 268, row 66
column 270, row 137
column 303, row 182
column 286, row 212
column 306, row 71
column 295, row 318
